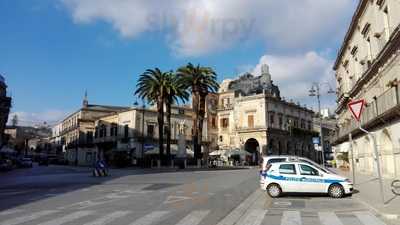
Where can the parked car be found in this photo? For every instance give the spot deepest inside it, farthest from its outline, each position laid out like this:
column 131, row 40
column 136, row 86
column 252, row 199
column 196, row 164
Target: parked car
column 24, row 163
column 43, row 161
column 5, row 165
column 302, row 177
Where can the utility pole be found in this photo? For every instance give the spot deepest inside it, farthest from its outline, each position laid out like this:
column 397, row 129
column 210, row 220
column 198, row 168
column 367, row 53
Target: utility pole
column 315, row 92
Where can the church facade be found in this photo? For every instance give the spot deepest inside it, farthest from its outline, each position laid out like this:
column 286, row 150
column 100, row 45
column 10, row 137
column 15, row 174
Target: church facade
column 252, row 116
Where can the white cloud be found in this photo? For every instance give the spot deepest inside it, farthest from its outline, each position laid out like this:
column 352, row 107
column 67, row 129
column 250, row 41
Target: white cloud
column 49, row 117
column 295, row 74
column 198, row 27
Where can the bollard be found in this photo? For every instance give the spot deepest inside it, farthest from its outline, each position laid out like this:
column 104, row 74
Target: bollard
column 184, row 164
column 172, row 164
column 199, row 163
column 158, row 164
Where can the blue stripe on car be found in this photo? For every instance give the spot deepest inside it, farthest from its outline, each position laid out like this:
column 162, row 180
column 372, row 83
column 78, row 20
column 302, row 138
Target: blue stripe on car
column 295, row 179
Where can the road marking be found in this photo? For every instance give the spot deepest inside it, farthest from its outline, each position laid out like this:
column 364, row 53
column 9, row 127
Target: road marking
column 68, row 218
column 368, row 219
column 10, row 211
column 173, row 199
column 234, row 216
column 194, row 217
column 151, row 218
column 24, row 219
column 291, row 218
column 329, row 218
column 254, row 217
column 109, row 218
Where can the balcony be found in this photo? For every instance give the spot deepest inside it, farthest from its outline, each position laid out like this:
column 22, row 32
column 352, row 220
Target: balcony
column 383, row 107
column 248, row 129
column 225, row 107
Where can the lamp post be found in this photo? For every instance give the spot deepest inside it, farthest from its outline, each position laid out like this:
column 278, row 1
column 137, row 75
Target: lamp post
column 315, row 92
column 142, row 133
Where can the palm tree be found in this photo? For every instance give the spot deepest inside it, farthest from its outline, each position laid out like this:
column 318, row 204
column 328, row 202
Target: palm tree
column 152, row 87
column 201, row 81
column 175, row 91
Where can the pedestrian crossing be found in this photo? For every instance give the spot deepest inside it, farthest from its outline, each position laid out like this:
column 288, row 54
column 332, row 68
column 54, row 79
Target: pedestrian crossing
column 196, row 217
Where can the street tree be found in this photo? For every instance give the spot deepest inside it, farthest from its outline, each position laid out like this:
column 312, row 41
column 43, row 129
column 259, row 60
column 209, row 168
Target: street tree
column 200, row 81
column 151, row 86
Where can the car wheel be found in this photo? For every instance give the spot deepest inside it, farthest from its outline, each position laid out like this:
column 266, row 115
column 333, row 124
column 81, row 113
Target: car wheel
column 274, row 190
column 336, row 191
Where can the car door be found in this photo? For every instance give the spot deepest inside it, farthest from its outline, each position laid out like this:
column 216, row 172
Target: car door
column 311, row 179
column 289, row 177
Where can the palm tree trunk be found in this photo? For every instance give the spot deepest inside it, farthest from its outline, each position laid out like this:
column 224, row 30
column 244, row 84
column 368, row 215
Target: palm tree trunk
column 195, row 117
column 160, row 119
column 202, row 112
column 168, row 116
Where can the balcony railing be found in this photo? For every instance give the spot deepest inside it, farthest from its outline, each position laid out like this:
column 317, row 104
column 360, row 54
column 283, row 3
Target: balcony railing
column 246, row 128
column 225, row 107
column 384, row 103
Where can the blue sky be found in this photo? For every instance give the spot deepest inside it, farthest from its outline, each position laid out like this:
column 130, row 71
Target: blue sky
column 54, row 50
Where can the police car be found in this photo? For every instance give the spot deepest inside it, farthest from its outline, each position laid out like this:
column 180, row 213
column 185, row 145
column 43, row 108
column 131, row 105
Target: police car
column 302, row 177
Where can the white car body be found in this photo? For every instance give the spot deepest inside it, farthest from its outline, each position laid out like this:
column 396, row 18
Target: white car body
column 291, row 178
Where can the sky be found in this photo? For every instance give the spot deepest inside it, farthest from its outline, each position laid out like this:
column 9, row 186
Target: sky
column 52, row 51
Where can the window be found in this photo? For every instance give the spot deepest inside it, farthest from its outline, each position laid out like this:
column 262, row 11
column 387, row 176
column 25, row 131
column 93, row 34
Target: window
column 303, row 124
column 250, row 121
column 150, row 130
column 225, row 122
column 221, row 138
column 287, row 169
column 96, row 132
column 114, row 130
column 103, row 131
column 277, row 160
column 308, row 170
column 271, row 119
column 126, row 131
column 213, row 123
column 89, row 137
column 280, row 121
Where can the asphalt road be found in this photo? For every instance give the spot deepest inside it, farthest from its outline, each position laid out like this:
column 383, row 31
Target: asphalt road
column 59, row 195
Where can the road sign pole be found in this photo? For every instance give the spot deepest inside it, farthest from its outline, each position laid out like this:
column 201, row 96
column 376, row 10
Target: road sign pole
column 378, row 164
column 353, row 168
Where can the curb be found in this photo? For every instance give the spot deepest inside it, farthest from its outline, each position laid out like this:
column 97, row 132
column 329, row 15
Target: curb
column 388, row 216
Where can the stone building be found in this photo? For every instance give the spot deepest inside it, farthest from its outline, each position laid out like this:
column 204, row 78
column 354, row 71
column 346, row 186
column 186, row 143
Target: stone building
column 252, row 116
column 368, row 67
column 77, row 131
column 133, row 133
column 5, row 105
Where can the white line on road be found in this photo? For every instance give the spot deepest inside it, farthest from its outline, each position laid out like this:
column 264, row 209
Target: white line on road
column 329, row 218
column 254, row 217
column 151, row 218
column 368, row 219
column 234, row 216
column 291, row 218
column 68, row 218
column 10, row 211
column 24, row 219
column 194, row 217
column 109, row 218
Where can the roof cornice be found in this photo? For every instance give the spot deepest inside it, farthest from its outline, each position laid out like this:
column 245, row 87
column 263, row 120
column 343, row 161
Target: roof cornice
column 360, row 9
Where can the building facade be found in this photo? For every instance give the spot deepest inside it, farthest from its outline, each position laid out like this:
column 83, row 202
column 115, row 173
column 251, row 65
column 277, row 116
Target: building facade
column 77, row 132
column 5, row 105
column 133, row 134
column 368, row 67
column 252, row 116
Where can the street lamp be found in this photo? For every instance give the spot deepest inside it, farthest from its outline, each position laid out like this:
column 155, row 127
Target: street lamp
column 315, row 92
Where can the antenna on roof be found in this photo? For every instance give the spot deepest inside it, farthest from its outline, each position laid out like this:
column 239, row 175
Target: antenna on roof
column 85, row 102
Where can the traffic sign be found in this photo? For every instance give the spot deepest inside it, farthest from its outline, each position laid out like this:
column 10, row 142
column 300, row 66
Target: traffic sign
column 356, row 107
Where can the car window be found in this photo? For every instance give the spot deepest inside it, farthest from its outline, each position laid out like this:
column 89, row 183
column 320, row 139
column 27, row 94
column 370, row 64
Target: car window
column 287, row 169
column 308, row 170
column 276, row 160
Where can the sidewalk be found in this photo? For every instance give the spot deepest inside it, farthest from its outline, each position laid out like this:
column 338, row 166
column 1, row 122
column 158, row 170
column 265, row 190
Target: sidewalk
column 367, row 191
